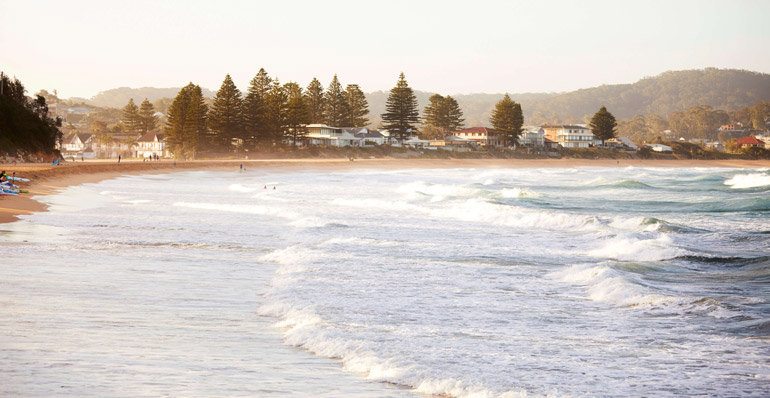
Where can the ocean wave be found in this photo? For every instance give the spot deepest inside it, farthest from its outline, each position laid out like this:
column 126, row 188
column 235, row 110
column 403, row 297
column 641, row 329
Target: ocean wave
column 305, row 329
column 606, row 285
column 744, row 181
column 633, row 248
column 519, row 193
column 438, row 192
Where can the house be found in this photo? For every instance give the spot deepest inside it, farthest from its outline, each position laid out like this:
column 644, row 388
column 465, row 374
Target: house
column 370, row 138
column 569, row 136
column 660, row 148
column 151, row 144
column 749, row 141
column 715, row 145
column 112, row 146
column 321, row 134
column 77, row 142
column 532, row 137
column 483, row 136
column 459, row 144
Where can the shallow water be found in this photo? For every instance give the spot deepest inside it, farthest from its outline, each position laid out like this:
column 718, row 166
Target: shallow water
column 466, row 282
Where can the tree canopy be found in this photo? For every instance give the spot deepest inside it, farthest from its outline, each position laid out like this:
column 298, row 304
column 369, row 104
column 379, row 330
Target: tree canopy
column 226, row 116
column 603, row 124
column 401, row 115
column 507, row 119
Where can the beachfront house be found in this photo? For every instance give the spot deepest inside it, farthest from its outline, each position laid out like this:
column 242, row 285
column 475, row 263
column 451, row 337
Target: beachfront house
column 321, row 134
column 660, row 148
column 150, row 145
column 749, row 141
column 532, row 137
column 569, row 135
column 76, row 143
column 369, row 138
column 109, row 146
column 483, row 136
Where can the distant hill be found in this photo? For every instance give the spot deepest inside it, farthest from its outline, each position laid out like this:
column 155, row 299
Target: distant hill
column 726, row 89
column 118, row 97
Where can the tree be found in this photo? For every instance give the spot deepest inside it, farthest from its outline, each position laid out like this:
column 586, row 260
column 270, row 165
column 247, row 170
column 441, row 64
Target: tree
column 507, row 120
column 131, row 118
column 442, row 115
column 254, row 111
column 401, row 115
column 186, row 123
column 276, row 102
column 603, row 124
column 335, row 104
column 226, row 116
column 297, row 113
column 315, row 101
column 760, row 115
column 147, row 117
column 357, row 108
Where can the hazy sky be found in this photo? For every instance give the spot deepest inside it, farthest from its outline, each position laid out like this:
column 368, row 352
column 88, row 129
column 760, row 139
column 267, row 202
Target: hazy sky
column 449, row 47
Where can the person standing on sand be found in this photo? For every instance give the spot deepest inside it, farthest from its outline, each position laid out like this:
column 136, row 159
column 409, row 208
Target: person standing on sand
column 118, row 158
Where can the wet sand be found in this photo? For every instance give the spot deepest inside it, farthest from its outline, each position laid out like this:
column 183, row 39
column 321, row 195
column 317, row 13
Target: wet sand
column 47, row 179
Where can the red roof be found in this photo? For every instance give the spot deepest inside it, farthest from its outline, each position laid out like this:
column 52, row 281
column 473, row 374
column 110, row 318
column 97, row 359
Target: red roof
column 750, row 140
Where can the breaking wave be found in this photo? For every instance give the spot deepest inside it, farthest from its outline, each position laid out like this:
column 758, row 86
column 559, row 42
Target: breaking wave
column 744, row 181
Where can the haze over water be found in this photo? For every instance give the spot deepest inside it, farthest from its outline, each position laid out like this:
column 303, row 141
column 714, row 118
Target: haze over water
column 386, row 283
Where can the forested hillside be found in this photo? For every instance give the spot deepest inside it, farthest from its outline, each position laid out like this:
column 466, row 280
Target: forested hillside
column 118, row 97
column 725, row 89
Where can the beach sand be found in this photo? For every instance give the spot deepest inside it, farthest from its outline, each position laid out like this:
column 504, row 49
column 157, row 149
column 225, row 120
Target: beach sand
column 46, row 179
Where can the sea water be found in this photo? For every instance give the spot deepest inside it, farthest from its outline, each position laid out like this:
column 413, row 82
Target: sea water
column 393, row 283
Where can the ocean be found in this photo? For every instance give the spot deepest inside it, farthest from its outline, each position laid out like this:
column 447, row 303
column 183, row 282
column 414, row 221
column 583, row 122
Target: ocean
column 530, row 282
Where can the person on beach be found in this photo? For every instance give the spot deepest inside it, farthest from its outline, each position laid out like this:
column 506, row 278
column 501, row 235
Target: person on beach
column 118, row 158
column 3, row 176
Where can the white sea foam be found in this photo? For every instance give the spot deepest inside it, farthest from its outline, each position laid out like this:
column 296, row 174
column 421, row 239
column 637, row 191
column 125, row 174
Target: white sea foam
column 635, row 248
column 605, row 285
column 743, row 181
column 241, row 188
column 519, row 193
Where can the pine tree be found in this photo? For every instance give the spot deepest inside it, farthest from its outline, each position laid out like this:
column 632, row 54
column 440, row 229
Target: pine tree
column 255, row 130
column 196, row 130
column 357, row 108
column 226, row 116
column 147, row 115
column 131, row 118
column 276, row 103
column 454, row 114
column 401, row 114
column 507, row 119
column 297, row 113
column 186, row 123
column 335, row 104
column 603, row 124
column 315, row 101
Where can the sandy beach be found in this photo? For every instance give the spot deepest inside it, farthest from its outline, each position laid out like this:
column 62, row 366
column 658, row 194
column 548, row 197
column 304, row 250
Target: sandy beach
column 47, row 179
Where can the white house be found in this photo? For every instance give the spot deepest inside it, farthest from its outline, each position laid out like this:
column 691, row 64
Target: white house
column 532, row 137
column 660, row 148
column 321, row 134
column 570, row 136
column 481, row 135
column 151, row 144
column 77, row 142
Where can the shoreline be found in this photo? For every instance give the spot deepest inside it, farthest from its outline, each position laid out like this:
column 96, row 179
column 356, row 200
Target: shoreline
column 47, row 179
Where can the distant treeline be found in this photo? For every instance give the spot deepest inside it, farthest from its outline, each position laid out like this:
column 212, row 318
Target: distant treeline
column 25, row 126
column 674, row 91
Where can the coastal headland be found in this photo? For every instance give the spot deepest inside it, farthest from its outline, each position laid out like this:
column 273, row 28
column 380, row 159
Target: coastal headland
column 47, row 179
